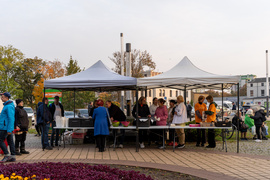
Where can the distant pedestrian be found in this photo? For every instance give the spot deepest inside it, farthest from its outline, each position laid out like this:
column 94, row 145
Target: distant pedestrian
column 21, row 126
column 44, row 118
column 189, row 109
column 93, row 108
column 90, row 105
column 233, row 106
column 7, row 120
column 56, row 109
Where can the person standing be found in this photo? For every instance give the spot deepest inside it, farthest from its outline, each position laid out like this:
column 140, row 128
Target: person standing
column 143, row 112
column 161, row 116
column 93, row 108
column 90, row 105
column 170, row 111
column 101, row 127
column 44, row 118
column 200, row 107
column 7, row 120
column 233, row 106
column 56, row 109
column 189, row 109
column 21, row 125
column 259, row 119
column 179, row 119
column 153, row 107
column 116, row 114
column 211, row 117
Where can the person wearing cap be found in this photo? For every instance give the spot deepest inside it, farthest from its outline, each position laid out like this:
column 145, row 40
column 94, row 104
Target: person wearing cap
column 7, row 119
column 101, row 127
column 21, row 127
column 44, row 118
column 56, row 109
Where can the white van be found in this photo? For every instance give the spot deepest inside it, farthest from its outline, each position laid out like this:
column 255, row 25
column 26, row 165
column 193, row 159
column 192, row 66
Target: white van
column 227, row 104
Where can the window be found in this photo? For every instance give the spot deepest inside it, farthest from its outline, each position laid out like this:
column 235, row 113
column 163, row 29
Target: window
column 160, row 93
column 170, row 93
column 186, row 93
column 262, row 92
column 251, row 92
column 251, row 85
column 262, row 84
column 163, row 92
column 150, row 94
column 176, row 93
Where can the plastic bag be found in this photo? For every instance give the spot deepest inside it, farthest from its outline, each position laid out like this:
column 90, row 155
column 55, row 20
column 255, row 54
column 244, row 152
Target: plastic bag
column 266, row 127
column 253, row 130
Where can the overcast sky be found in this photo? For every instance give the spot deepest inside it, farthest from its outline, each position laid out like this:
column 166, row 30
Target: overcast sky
column 222, row 37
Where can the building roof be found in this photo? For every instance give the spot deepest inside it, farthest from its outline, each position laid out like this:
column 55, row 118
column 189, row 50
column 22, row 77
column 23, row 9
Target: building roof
column 258, row 80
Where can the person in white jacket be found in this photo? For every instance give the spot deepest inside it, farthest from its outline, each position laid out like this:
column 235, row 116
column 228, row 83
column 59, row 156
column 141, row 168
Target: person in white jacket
column 179, row 119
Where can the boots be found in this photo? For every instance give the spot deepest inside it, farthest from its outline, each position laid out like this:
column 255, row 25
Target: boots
column 17, row 152
column 23, row 151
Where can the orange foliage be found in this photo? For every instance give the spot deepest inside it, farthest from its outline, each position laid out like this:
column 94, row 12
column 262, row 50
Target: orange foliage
column 51, row 70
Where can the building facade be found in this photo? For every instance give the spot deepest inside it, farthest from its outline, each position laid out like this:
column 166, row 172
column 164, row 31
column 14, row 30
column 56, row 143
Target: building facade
column 256, row 91
column 165, row 93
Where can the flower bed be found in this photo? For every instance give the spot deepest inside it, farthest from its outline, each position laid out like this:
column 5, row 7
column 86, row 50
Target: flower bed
column 63, row 171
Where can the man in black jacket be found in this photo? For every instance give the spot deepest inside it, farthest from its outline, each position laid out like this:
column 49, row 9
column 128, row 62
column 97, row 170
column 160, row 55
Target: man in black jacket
column 21, row 126
column 56, row 109
column 116, row 114
column 259, row 119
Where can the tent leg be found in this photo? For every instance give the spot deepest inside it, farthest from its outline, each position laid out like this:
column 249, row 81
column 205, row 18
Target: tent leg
column 74, row 102
column 238, row 123
column 137, row 121
column 44, row 125
column 222, row 112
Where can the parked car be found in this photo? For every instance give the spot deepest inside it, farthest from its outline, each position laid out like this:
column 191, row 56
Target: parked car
column 82, row 113
column 30, row 114
column 70, row 114
column 247, row 107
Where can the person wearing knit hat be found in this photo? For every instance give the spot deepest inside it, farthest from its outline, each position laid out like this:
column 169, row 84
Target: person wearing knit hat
column 21, row 128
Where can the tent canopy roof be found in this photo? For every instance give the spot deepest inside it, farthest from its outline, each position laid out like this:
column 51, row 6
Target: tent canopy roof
column 186, row 74
column 97, row 78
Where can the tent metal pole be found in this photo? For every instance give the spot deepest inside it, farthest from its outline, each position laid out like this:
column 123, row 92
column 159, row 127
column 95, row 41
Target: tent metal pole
column 185, row 95
column 222, row 112
column 44, row 122
column 137, row 121
column 238, row 123
column 74, row 102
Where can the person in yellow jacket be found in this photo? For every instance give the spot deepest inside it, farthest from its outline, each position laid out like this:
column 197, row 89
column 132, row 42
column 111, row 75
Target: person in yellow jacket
column 200, row 107
column 211, row 117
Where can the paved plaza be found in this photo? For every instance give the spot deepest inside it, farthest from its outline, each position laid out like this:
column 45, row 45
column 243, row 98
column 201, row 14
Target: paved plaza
column 200, row 162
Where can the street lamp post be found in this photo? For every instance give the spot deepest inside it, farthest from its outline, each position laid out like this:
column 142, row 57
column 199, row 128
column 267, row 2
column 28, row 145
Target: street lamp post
column 267, row 85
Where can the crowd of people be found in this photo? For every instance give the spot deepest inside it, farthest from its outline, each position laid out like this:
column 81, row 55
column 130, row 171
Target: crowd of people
column 15, row 120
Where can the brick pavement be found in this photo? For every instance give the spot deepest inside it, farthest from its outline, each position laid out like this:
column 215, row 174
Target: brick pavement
column 197, row 162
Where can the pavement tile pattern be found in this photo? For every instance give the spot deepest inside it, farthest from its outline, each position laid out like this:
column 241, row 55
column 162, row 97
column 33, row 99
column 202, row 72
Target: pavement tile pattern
column 200, row 162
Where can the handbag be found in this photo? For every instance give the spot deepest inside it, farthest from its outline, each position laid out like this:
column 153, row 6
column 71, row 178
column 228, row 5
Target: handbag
column 244, row 126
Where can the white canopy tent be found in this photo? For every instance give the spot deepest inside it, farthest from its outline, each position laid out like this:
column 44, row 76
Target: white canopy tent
column 96, row 78
column 186, row 76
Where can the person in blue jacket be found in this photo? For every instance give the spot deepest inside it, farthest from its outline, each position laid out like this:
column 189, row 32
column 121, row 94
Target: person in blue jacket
column 44, row 122
column 7, row 120
column 101, row 127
